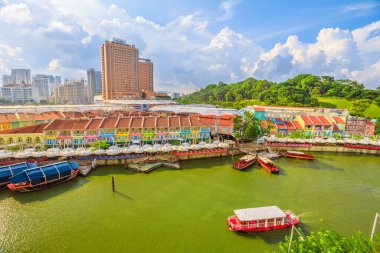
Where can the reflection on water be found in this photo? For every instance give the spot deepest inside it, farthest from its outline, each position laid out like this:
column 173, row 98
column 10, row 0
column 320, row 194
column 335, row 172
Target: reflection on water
column 186, row 210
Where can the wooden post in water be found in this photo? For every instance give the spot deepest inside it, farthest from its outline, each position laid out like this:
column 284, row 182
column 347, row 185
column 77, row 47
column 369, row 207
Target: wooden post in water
column 113, row 184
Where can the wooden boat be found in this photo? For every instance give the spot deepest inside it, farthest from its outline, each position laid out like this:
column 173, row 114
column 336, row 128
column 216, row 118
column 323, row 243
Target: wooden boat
column 261, row 219
column 244, row 162
column 44, row 176
column 268, row 165
column 8, row 171
column 298, row 155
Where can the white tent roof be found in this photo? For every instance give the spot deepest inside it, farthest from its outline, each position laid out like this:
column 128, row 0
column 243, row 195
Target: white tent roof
column 259, row 213
column 202, row 109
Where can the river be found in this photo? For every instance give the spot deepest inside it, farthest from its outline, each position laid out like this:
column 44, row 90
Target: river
column 185, row 210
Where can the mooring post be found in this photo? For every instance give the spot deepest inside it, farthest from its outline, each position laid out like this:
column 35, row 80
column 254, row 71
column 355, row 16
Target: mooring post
column 113, row 184
column 374, row 225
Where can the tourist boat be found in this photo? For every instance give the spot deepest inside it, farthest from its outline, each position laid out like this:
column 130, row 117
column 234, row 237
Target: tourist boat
column 268, row 165
column 244, row 162
column 6, row 172
column 44, row 176
column 299, row 155
column 261, row 219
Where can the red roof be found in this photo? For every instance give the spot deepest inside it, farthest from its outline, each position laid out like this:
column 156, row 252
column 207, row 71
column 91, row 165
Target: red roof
column 109, row 123
column 94, row 124
column 338, row 120
column 297, row 125
column 335, row 127
column 280, row 126
column 289, row 125
column 149, row 122
column 259, row 109
column 307, row 120
column 174, row 122
column 185, row 122
column 324, row 120
column 25, row 130
column 162, row 122
column 316, row 120
column 124, row 122
column 264, row 124
column 136, row 122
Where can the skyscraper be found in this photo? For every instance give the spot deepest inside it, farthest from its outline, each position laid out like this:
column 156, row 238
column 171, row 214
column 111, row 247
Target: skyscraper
column 120, row 64
column 145, row 75
column 94, row 82
column 46, row 84
column 18, row 76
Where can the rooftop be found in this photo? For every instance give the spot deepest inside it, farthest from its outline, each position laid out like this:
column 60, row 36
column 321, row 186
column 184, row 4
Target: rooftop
column 259, row 213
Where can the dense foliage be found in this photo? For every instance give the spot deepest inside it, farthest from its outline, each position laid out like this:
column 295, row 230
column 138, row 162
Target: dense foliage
column 248, row 128
column 302, row 90
column 328, row 240
column 101, row 144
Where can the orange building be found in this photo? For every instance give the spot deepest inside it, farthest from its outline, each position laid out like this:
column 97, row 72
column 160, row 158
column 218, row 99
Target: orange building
column 120, row 67
column 145, row 75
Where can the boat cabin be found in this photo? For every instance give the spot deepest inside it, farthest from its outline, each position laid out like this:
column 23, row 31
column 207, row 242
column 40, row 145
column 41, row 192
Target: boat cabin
column 261, row 219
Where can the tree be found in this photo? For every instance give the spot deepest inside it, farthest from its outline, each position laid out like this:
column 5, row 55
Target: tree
column 377, row 125
column 100, row 144
column 359, row 106
column 328, row 240
column 248, row 128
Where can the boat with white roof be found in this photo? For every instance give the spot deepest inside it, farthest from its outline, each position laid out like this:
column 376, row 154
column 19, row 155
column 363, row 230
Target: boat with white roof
column 261, row 219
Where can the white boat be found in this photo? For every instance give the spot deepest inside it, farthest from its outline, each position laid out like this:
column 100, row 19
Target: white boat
column 85, row 152
column 138, row 150
column 6, row 154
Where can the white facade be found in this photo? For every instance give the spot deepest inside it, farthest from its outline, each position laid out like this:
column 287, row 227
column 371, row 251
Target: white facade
column 20, row 93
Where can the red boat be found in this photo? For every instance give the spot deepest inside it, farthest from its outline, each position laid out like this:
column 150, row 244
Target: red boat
column 298, row 155
column 261, row 219
column 268, row 165
column 244, row 162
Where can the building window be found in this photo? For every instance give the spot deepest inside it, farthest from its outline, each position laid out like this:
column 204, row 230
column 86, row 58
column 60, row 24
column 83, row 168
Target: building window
column 28, row 140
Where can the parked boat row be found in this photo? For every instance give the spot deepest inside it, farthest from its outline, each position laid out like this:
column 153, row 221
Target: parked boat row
column 25, row 177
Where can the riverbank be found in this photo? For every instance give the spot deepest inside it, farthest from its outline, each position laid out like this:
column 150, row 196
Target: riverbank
column 315, row 148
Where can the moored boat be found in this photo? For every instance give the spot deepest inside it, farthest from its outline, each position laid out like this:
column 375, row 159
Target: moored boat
column 44, row 176
column 299, row 155
column 261, row 219
column 6, row 172
column 267, row 164
column 244, row 162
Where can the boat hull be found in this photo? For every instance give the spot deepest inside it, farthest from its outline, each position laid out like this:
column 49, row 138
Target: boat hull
column 270, row 168
column 30, row 188
column 240, row 165
column 261, row 229
column 304, row 157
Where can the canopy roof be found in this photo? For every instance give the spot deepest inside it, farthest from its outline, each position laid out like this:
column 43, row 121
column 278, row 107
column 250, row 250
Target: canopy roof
column 6, row 172
column 45, row 173
column 199, row 109
column 259, row 213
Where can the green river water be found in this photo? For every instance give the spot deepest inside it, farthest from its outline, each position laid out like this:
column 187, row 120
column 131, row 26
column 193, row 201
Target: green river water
column 185, row 210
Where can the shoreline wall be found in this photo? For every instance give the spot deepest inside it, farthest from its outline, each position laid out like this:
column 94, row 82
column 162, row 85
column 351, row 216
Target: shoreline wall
column 325, row 149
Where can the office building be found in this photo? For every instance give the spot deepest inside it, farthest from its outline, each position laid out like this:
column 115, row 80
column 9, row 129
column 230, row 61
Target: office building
column 46, row 84
column 74, row 92
column 94, row 82
column 17, row 76
column 145, row 75
column 120, row 78
column 20, row 93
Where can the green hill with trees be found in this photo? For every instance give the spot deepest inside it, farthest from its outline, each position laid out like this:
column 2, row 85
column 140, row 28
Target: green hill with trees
column 301, row 90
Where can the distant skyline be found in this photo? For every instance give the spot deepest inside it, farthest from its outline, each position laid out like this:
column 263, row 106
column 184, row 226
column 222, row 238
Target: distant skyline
column 194, row 43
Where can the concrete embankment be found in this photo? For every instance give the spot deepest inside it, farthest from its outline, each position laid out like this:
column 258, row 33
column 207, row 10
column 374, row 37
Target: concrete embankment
column 314, row 148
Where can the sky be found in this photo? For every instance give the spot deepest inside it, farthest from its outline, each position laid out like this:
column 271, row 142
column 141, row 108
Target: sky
column 195, row 43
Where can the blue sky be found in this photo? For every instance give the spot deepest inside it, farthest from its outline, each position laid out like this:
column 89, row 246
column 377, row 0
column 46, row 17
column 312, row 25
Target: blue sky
column 194, row 43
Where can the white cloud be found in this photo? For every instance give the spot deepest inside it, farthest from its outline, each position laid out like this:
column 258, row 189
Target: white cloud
column 9, row 55
column 187, row 52
column 227, row 8
column 16, row 14
column 336, row 52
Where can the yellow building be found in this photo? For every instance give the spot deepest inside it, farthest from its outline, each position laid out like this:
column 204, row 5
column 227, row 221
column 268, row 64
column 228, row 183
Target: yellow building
column 29, row 136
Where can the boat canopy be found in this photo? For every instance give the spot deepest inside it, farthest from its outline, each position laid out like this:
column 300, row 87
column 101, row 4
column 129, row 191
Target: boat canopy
column 45, row 173
column 259, row 213
column 8, row 171
column 296, row 152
